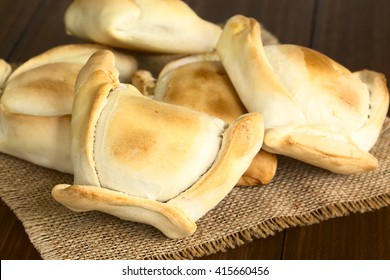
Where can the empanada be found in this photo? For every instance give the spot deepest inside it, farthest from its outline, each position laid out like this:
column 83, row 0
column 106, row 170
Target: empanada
column 163, row 26
column 200, row 82
column 314, row 109
column 36, row 104
column 5, row 71
column 148, row 161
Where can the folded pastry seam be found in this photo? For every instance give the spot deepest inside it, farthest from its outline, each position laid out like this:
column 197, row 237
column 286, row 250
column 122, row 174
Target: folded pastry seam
column 315, row 110
column 125, row 147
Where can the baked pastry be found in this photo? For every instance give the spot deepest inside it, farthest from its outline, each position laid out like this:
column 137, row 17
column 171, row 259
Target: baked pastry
column 148, row 161
column 36, row 104
column 5, row 71
column 155, row 62
column 144, row 81
column 314, row 109
column 163, row 26
column 200, row 82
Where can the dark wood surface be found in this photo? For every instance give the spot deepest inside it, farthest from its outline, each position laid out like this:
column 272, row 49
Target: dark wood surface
column 353, row 32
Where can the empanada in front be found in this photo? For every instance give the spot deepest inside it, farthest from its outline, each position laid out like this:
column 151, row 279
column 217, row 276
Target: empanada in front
column 148, row 161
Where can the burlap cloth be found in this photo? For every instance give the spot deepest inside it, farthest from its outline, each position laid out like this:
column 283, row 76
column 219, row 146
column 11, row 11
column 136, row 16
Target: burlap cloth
column 299, row 195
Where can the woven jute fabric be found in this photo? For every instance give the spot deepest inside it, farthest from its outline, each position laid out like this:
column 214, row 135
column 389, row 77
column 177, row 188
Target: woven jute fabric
column 299, row 195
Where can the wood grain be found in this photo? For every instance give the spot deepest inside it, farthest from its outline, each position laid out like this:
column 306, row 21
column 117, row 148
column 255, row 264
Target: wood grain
column 357, row 236
column 14, row 18
column 270, row 248
column 14, row 242
column 45, row 30
column 290, row 21
column 355, row 33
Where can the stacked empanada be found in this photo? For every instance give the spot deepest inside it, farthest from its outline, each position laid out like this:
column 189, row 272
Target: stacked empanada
column 162, row 26
column 314, row 109
column 200, row 82
column 36, row 104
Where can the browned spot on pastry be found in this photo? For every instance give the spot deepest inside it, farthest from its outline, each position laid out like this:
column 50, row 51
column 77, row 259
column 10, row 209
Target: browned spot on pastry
column 155, row 131
column 317, row 61
column 49, row 85
column 133, row 146
column 55, row 80
column 205, row 87
column 333, row 77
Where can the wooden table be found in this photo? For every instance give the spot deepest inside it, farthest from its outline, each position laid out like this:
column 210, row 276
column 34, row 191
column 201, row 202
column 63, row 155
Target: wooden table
column 353, row 32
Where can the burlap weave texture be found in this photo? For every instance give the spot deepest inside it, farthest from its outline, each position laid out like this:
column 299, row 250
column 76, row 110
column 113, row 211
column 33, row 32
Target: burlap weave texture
column 299, row 195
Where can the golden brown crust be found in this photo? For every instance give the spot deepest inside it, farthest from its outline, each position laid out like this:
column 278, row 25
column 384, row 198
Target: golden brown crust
column 98, row 108
column 146, row 25
column 44, row 141
column 159, row 131
column 205, row 87
column 78, row 54
column 241, row 142
column 315, row 110
column 106, row 112
column 91, row 91
column 201, row 83
column 42, row 91
column 36, row 104
column 376, row 83
column 313, row 78
column 328, row 151
column 261, row 171
column 144, row 82
column 241, row 38
column 5, row 71
column 44, row 64
column 169, row 219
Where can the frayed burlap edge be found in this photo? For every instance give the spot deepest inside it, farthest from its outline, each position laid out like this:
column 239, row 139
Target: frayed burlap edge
column 274, row 225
